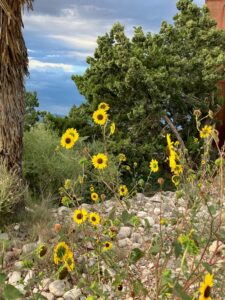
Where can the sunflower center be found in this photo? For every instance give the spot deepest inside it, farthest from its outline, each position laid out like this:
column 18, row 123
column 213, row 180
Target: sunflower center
column 68, row 140
column 122, row 190
column 61, row 252
column 79, row 216
column 43, row 251
column 107, row 245
column 93, row 219
column 103, row 106
column 207, row 292
column 100, row 160
column 100, row 117
column 120, row 287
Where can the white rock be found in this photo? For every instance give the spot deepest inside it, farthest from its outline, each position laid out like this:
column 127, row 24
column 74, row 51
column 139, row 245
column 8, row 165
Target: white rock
column 35, row 290
column 44, row 285
column 124, row 232
column 157, row 211
column 18, row 264
column 30, row 275
column 150, row 221
column 48, row 296
column 216, row 246
column 73, row 294
column 15, row 277
column 142, row 214
column 27, row 248
column 123, row 243
column 4, row 236
column 57, row 287
column 63, row 210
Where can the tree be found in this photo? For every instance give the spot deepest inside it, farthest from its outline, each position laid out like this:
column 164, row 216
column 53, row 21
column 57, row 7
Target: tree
column 152, row 79
column 32, row 115
column 13, row 68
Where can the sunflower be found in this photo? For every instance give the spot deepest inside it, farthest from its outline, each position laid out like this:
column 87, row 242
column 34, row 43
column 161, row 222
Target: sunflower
column 154, row 165
column 100, row 116
column 94, row 196
column 107, row 246
column 94, row 218
column 74, row 133
column 206, row 287
column 42, row 250
column 67, row 184
column 103, row 106
column 92, row 189
column 80, row 216
column 123, row 191
column 120, row 287
column 122, row 157
column 176, row 180
column 67, row 141
column 112, row 128
column 61, row 251
column 69, row 262
column 62, row 272
column 178, row 169
column 206, row 131
column 100, row 161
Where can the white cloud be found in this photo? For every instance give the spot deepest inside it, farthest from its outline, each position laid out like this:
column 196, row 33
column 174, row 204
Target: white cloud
column 86, row 42
column 35, row 64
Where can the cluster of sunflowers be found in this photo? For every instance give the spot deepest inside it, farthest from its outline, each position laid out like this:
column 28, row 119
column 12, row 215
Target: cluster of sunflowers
column 62, row 253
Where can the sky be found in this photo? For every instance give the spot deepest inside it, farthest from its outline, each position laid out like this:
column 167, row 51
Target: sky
column 60, row 34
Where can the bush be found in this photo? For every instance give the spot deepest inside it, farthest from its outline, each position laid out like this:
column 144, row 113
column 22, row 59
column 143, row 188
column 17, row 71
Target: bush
column 11, row 190
column 44, row 167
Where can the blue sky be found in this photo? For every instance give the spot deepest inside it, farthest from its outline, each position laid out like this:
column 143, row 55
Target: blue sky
column 60, row 34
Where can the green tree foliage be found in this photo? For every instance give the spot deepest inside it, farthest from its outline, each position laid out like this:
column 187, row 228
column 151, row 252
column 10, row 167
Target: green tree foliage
column 149, row 76
column 32, row 115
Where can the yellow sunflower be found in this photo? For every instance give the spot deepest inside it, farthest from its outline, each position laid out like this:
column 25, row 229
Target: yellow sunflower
column 74, row 133
column 67, row 184
column 206, row 131
column 154, row 165
column 103, row 106
column 67, row 141
column 61, row 251
column 123, row 191
column 122, row 157
column 94, row 218
column 107, row 246
column 92, row 188
column 100, row 116
column 69, row 261
column 42, row 250
column 206, row 287
column 94, row 196
column 112, row 128
column 100, row 161
column 178, row 169
column 80, row 216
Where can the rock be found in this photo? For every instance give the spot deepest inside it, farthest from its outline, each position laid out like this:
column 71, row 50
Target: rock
column 17, row 227
column 136, row 238
column 4, row 236
column 216, row 246
column 123, row 243
column 27, row 248
column 15, row 277
column 48, row 296
column 18, row 264
column 35, row 290
column 157, row 211
column 44, row 285
column 124, row 232
column 150, row 220
column 142, row 214
column 57, row 287
column 30, row 275
column 73, row 294
column 63, row 210
column 8, row 256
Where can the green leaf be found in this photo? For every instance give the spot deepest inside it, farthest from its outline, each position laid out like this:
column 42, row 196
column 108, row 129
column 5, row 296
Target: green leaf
column 126, row 217
column 135, row 255
column 154, row 249
column 139, row 289
column 180, row 293
column 177, row 249
column 11, row 293
column 112, row 212
column 2, row 278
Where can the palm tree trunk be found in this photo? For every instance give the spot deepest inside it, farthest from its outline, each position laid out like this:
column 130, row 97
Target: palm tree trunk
column 13, row 68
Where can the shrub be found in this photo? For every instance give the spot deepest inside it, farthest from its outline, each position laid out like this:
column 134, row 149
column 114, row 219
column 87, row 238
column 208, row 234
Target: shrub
column 11, row 190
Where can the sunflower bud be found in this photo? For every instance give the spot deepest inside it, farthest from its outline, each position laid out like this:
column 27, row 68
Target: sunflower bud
column 197, row 113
